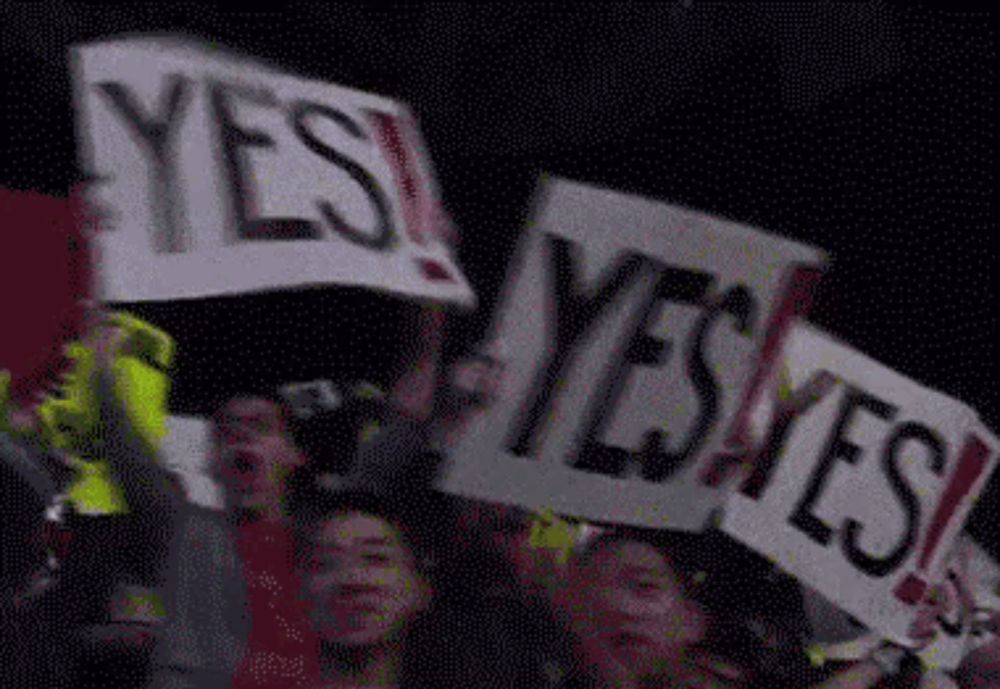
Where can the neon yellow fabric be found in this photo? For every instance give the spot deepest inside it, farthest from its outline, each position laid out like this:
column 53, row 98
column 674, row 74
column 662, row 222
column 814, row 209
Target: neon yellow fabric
column 140, row 388
column 553, row 533
column 93, row 489
column 4, row 401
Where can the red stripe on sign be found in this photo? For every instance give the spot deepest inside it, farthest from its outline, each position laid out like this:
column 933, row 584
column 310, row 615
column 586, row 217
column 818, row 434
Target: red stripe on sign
column 397, row 154
column 971, row 465
column 796, row 300
column 795, row 303
column 434, row 271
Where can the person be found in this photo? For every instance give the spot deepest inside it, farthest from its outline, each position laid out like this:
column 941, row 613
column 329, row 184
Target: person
column 368, row 583
column 503, row 578
column 627, row 606
column 26, row 621
column 77, row 581
column 638, row 617
column 232, row 617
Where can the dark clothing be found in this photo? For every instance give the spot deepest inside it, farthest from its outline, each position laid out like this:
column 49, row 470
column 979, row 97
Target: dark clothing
column 208, row 630
column 204, row 635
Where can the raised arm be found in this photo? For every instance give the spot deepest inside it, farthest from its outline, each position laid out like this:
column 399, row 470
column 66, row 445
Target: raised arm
column 149, row 488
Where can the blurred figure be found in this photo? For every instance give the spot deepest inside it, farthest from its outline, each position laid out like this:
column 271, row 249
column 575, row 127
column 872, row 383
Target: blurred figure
column 629, row 610
column 510, row 534
column 981, row 668
column 26, row 620
column 504, row 575
column 78, row 423
column 233, row 618
column 367, row 584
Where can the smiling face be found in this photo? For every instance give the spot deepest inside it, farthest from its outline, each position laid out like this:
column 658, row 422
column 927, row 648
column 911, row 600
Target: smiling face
column 362, row 581
column 630, row 611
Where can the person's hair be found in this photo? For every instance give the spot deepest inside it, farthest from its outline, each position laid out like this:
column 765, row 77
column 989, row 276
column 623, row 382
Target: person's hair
column 679, row 549
column 414, row 519
column 284, row 409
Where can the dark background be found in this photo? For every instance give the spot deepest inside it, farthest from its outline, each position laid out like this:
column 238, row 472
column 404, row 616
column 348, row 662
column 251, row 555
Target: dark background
column 865, row 129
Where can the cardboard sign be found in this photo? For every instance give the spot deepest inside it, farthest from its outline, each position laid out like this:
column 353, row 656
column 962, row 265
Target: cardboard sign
column 862, row 494
column 633, row 327
column 44, row 285
column 215, row 175
column 836, row 635
column 185, row 452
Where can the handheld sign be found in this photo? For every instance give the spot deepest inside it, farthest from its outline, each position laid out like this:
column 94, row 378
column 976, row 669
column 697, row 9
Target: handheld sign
column 633, row 327
column 971, row 579
column 215, row 175
column 45, row 277
column 863, row 493
column 186, row 452
column 838, row 636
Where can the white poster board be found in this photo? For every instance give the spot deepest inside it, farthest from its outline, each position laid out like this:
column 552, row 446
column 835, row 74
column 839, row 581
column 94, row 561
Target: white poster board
column 958, row 632
column 217, row 175
column 185, row 452
column 632, row 327
column 862, row 496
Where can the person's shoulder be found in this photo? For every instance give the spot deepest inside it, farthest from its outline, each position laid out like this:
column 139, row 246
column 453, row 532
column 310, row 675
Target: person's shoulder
column 200, row 524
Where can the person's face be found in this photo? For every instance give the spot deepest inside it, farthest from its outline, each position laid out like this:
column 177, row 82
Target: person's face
column 251, row 451
column 632, row 613
column 362, row 581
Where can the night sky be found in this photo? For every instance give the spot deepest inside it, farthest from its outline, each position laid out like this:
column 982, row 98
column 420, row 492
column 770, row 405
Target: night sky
column 867, row 130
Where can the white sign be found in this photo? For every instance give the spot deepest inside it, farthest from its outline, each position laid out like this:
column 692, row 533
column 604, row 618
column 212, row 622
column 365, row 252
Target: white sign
column 216, row 175
column 959, row 629
column 185, row 452
column 633, row 327
column 874, row 482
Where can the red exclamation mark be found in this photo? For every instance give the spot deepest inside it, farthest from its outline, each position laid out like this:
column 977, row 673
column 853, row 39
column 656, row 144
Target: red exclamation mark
column 390, row 140
column 971, row 464
column 797, row 294
column 411, row 191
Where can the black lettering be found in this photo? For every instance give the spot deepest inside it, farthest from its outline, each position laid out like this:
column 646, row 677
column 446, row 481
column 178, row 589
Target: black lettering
column 157, row 136
column 383, row 237
column 573, row 314
column 738, row 303
column 766, row 460
column 233, row 140
column 790, row 410
column 658, row 464
column 674, row 285
column 880, row 567
column 837, row 448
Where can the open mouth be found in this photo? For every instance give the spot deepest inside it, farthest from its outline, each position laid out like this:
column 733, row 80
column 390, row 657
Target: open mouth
column 630, row 641
column 358, row 607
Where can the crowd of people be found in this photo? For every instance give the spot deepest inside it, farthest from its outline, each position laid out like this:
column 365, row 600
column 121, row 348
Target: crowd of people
column 372, row 578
